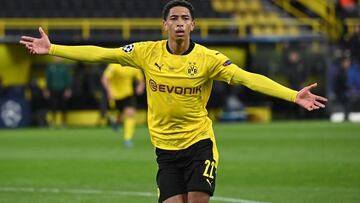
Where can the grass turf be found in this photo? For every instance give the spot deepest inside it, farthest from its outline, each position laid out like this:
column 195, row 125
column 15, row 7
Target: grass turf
column 287, row 162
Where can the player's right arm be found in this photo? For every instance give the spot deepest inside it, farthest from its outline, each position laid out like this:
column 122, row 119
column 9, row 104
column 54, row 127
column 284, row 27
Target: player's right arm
column 85, row 53
column 43, row 45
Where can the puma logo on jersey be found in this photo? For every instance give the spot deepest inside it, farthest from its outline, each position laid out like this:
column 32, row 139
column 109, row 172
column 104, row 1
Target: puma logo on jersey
column 159, row 66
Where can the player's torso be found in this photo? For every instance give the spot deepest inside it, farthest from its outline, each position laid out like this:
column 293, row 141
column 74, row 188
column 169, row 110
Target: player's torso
column 176, row 75
column 177, row 87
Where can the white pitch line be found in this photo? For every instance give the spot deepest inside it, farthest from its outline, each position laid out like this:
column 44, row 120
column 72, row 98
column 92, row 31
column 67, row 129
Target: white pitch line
column 235, row 200
column 103, row 192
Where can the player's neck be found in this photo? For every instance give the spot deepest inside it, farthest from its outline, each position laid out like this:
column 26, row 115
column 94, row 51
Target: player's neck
column 180, row 49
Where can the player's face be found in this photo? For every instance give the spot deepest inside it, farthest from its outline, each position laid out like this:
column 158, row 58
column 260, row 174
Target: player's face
column 179, row 23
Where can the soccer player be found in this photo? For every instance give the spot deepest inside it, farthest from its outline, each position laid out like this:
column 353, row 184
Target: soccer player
column 118, row 83
column 179, row 75
column 58, row 89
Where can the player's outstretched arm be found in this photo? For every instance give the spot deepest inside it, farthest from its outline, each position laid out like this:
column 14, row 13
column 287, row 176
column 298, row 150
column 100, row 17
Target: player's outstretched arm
column 308, row 100
column 37, row 45
column 265, row 85
column 43, row 45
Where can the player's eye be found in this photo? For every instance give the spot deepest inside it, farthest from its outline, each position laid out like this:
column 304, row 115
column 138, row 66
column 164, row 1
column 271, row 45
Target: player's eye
column 173, row 18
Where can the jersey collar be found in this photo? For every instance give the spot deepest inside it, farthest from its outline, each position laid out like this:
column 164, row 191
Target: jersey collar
column 191, row 47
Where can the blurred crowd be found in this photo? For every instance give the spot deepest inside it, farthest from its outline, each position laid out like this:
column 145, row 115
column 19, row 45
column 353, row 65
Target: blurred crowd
column 344, row 74
column 348, row 9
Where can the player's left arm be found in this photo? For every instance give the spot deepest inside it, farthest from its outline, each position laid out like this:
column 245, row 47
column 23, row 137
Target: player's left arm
column 265, row 85
column 223, row 69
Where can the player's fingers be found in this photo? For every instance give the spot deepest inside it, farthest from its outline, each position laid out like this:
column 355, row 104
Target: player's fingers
column 312, row 85
column 308, row 88
column 307, row 106
column 42, row 33
column 319, row 104
column 28, row 46
column 315, row 107
column 321, row 98
column 27, row 38
column 23, row 42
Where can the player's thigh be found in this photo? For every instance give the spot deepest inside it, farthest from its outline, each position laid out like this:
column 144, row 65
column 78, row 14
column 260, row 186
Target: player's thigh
column 176, row 199
column 201, row 174
column 191, row 197
column 198, row 197
column 171, row 183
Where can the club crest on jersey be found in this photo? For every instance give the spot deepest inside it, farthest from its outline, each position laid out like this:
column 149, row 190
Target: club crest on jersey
column 128, row 48
column 192, row 69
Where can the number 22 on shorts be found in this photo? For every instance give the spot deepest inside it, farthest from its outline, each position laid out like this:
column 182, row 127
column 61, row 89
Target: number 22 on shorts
column 209, row 169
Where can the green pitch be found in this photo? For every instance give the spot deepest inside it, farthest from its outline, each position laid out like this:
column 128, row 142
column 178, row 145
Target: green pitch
column 281, row 162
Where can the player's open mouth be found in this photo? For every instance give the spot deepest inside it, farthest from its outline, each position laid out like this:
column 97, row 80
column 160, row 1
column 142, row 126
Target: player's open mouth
column 180, row 32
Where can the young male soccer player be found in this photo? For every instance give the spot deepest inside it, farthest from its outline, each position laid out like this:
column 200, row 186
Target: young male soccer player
column 179, row 75
column 118, row 83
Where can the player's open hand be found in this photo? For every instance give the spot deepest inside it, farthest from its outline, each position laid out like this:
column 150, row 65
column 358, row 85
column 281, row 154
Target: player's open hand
column 37, row 45
column 308, row 100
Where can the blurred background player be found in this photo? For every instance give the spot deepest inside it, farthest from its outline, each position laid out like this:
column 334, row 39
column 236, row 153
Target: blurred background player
column 58, row 89
column 118, row 82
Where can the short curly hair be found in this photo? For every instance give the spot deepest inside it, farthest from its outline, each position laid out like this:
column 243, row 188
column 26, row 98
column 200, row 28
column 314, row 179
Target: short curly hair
column 174, row 3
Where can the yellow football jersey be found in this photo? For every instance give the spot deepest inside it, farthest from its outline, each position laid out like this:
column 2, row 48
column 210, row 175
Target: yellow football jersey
column 121, row 79
column 178, row 88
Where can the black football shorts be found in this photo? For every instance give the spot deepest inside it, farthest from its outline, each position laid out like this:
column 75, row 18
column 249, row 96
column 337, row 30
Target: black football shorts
column 186, row 170
column 121, row 104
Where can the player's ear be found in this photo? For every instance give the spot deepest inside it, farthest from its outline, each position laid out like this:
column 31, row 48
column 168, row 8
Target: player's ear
column 165, row 26
column 192, row 26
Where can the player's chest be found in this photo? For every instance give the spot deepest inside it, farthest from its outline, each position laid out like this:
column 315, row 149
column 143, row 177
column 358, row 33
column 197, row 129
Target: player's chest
column 180, row 67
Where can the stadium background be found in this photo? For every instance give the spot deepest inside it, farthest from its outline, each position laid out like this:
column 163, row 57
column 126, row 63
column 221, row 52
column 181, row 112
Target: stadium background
column 259, row 36
column 299, row 157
